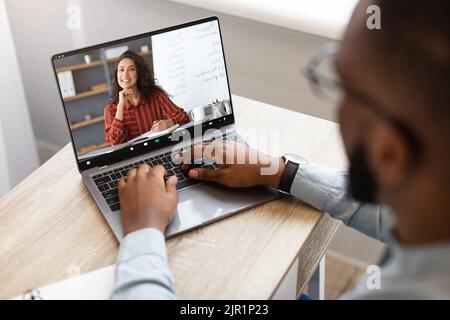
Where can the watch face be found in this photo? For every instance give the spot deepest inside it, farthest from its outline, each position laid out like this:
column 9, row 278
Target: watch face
column 295, row 158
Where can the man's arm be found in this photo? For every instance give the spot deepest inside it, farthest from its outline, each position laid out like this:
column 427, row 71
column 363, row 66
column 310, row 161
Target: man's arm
column 325, row 189
column 321, row 187
column 148, row 204
column 142, row 270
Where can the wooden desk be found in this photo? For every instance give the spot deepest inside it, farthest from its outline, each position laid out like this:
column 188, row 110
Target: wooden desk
column 49, row 224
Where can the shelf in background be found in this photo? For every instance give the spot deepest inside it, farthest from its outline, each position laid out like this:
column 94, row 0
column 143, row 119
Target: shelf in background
column 89, row 93
column 92, row 147
column 87, row 122
column 95, row 63
column 80, row 66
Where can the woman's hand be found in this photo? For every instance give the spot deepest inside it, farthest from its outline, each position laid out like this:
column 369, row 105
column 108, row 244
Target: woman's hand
column 125, row 98
column 162, row 125
column 124, row 102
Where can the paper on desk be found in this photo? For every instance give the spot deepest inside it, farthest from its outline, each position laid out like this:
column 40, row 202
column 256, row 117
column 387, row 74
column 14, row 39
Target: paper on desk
column 95, row 285
column 154, row 134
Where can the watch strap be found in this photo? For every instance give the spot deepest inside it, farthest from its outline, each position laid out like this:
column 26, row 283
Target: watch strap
column 290, row 170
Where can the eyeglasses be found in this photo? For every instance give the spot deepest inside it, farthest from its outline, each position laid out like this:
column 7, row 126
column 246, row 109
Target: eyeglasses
column 326, row 84
column 321, row 73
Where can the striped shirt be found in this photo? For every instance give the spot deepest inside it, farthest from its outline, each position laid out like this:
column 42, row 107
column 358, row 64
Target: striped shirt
column 139, row 119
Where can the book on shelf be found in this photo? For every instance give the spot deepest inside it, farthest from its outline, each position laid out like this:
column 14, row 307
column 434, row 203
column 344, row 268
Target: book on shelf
column 66, row 84
column 62, row 84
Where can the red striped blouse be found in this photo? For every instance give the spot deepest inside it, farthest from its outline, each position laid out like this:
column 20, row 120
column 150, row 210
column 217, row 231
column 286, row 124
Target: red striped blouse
column 139, row 119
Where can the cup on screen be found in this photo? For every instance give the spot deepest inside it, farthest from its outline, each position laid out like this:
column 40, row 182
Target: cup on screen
column 198, row 114
column 227, row 105
column 220, row 108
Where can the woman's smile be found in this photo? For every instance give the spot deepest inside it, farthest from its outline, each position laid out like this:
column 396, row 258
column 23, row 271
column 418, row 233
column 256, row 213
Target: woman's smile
column 126, row 81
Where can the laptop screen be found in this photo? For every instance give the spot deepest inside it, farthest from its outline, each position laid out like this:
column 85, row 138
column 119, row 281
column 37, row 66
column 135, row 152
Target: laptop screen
column 129, row 96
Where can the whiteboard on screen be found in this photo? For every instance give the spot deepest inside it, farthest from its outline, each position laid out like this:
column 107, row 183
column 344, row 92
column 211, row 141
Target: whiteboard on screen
column 188, row 63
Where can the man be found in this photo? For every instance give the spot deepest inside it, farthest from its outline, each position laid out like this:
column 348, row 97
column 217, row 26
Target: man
column 394, row 119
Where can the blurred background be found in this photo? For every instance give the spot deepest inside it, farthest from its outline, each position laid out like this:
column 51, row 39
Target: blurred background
column 267, row 43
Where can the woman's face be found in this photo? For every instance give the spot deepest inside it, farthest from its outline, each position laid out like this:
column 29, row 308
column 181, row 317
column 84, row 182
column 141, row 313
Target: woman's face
column 127, row 73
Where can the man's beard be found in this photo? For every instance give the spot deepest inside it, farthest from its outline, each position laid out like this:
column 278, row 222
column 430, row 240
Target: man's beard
column 361, row 185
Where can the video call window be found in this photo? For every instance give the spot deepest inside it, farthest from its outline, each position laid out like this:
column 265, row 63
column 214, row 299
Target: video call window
column 116, row 95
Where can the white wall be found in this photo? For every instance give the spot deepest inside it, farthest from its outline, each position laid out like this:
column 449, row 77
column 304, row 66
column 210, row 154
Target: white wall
column 18, row 155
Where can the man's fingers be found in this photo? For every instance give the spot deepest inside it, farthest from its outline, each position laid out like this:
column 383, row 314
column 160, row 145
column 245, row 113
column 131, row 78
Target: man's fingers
column 159, row 171
column 171, row 184
column 219, row 151
column 207, row 174
column 196, row 151
column 185, row 166
column 131, row 174
column 121, row 183
column 143, row 169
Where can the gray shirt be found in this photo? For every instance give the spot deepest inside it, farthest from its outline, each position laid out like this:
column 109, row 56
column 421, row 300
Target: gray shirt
column 414, row 272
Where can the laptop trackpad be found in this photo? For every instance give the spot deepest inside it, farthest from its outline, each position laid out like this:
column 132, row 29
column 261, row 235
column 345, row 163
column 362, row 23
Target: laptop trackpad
column 207, row 202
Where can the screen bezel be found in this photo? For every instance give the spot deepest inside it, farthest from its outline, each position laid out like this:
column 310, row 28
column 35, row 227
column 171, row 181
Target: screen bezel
column 152, row 144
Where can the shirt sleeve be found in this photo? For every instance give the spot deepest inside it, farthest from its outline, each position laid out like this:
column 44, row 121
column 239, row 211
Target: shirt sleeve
column 142, row 270
column 172, row 111
column 325, row 189
column 115, row 132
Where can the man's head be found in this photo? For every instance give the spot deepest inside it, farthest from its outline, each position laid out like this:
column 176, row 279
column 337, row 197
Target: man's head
column 395, row 113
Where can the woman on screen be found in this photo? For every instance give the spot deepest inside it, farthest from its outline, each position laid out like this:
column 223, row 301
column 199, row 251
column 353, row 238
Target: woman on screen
column 137, row 104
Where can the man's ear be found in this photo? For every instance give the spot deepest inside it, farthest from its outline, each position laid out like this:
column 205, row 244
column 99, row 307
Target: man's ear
column 389, row 155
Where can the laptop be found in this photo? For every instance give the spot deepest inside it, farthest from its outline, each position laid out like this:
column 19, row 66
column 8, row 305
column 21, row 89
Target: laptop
column 187, row 64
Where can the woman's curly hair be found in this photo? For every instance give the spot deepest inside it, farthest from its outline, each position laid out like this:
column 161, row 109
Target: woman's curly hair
column 145, row 78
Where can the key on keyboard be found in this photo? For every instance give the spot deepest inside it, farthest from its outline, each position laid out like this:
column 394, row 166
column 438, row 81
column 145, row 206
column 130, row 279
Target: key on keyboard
column 115, row 207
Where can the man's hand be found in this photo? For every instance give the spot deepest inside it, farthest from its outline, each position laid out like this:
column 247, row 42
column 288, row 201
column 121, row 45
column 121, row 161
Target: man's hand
column 146, row 200
column 240, row 166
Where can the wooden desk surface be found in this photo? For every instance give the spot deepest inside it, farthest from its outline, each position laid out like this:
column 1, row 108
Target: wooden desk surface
column 50, row 226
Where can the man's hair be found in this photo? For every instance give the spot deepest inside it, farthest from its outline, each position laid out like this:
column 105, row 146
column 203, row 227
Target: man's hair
column 415, row 34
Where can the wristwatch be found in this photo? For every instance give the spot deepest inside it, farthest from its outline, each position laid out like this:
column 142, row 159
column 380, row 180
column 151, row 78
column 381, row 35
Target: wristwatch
column 292, row 163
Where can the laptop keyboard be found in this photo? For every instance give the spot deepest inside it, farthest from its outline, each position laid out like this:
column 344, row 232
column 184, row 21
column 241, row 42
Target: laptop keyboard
column 107, row 182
